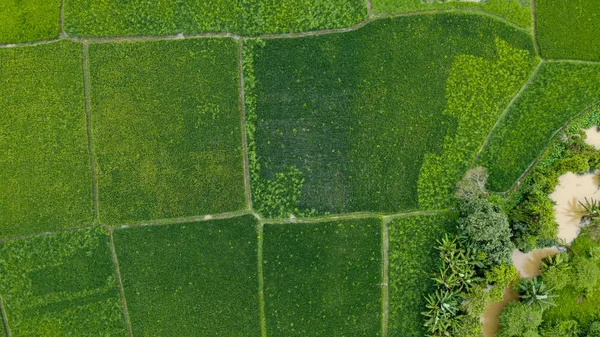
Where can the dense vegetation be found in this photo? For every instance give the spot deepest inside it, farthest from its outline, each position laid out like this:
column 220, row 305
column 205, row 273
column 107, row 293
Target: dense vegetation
column 569, row 29
column 45, row 174
column 194, row 279
column 336, row 123
column 29, row 20
column 167, row 135
column 323, row 279
column 61, row 285
column 558, row 93
column 247, row 17
column 412, row 258
column 516, row 11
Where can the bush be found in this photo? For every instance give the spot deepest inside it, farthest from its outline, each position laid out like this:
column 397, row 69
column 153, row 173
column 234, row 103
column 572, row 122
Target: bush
column 518, row 319
column 594, row 329
column 569, row 328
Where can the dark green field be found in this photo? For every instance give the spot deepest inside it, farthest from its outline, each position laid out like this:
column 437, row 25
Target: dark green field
column 61, row 285
column 167, row 135
column 412, row 260
column 29, row 20
column 45, row 174
column 323, row 279
column 569, row 29
column 558, row 93
column 343, row 122
column 249, row 17
column 194, row 279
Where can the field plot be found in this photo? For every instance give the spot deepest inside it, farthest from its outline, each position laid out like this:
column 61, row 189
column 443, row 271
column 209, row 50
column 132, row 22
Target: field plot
column 559, row 92
column 132, row 18
column 516, row 11
column 569, row 29
column 195, row 279
column 45, row 174
column 343, row 122
column 61, row 285
column 412, row 260
column 29, row 20
column 166, row 123
column 323, row 279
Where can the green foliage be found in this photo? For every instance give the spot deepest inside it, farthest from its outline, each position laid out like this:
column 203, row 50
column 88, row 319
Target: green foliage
column 167, row 135
column 517, row 11
column 472, row 184
column 535, row 293
column 194, row 279
column 568, row 328
column 92, row 18
column 587, row 274
column 500, row 276
column 323, row 279
column 518, row 319
column 569, row 29
column 558, row 93
column 594, row 329
column 412, row 260
column 556, row 270
column 343, row 109
column 45, row 174
column 487, row 228
column 29, row 20
column 61, row 285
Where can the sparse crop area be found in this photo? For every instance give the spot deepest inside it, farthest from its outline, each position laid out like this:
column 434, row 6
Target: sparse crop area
column 323, row 279
column 357, row 168
column 29, row 20
column 45, row 174
column 569, row 29
column 376, row 119
column 61, row 285
column 412, row 261
column 166, row 129
column 193, row 279
column 88, row 18
column 556, row 94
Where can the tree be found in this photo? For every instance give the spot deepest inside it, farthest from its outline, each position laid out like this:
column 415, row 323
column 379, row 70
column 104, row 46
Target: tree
column 594, row 329
column 518, row 320
column 556, row 270
column 472, row 185
column 568, row 328
column 534, row 292
column 587, row 274
column 487, row 228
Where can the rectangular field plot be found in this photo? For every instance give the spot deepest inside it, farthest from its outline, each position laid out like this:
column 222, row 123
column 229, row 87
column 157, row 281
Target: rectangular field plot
column 412, row 259
column 323, row 279
column 166, row 128
column 569, row 29
column 194, row 279
column 61, row 285
column 346, row 122
column 45, row 172
column 29, row 20
column 558, row 93
column 516, row 11
column 247, row 17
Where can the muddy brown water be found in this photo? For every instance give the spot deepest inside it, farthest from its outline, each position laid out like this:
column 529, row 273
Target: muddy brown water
column 528, row 266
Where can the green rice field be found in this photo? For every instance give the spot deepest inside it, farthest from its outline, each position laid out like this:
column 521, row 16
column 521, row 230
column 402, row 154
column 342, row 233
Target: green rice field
column 265, row 168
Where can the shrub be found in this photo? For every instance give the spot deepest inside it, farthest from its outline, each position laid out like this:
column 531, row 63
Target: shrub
column 518, row 319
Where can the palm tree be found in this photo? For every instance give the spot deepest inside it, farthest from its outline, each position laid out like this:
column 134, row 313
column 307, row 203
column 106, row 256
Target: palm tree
column 535, row 292
column 442, row 305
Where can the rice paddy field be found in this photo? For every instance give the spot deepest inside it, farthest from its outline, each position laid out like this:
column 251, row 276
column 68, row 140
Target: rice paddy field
column 260, row 167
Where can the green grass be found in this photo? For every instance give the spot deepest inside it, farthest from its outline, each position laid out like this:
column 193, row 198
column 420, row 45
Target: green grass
column 516, row 11
column 558, row 93
column 194, row 279
column 412, row 260
column 29, row 20
column 166, row 123
column 61, row 285
column 344, row 122
column 139, row 17
column 45, row 174
column 323, row 279
column 569, row 29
